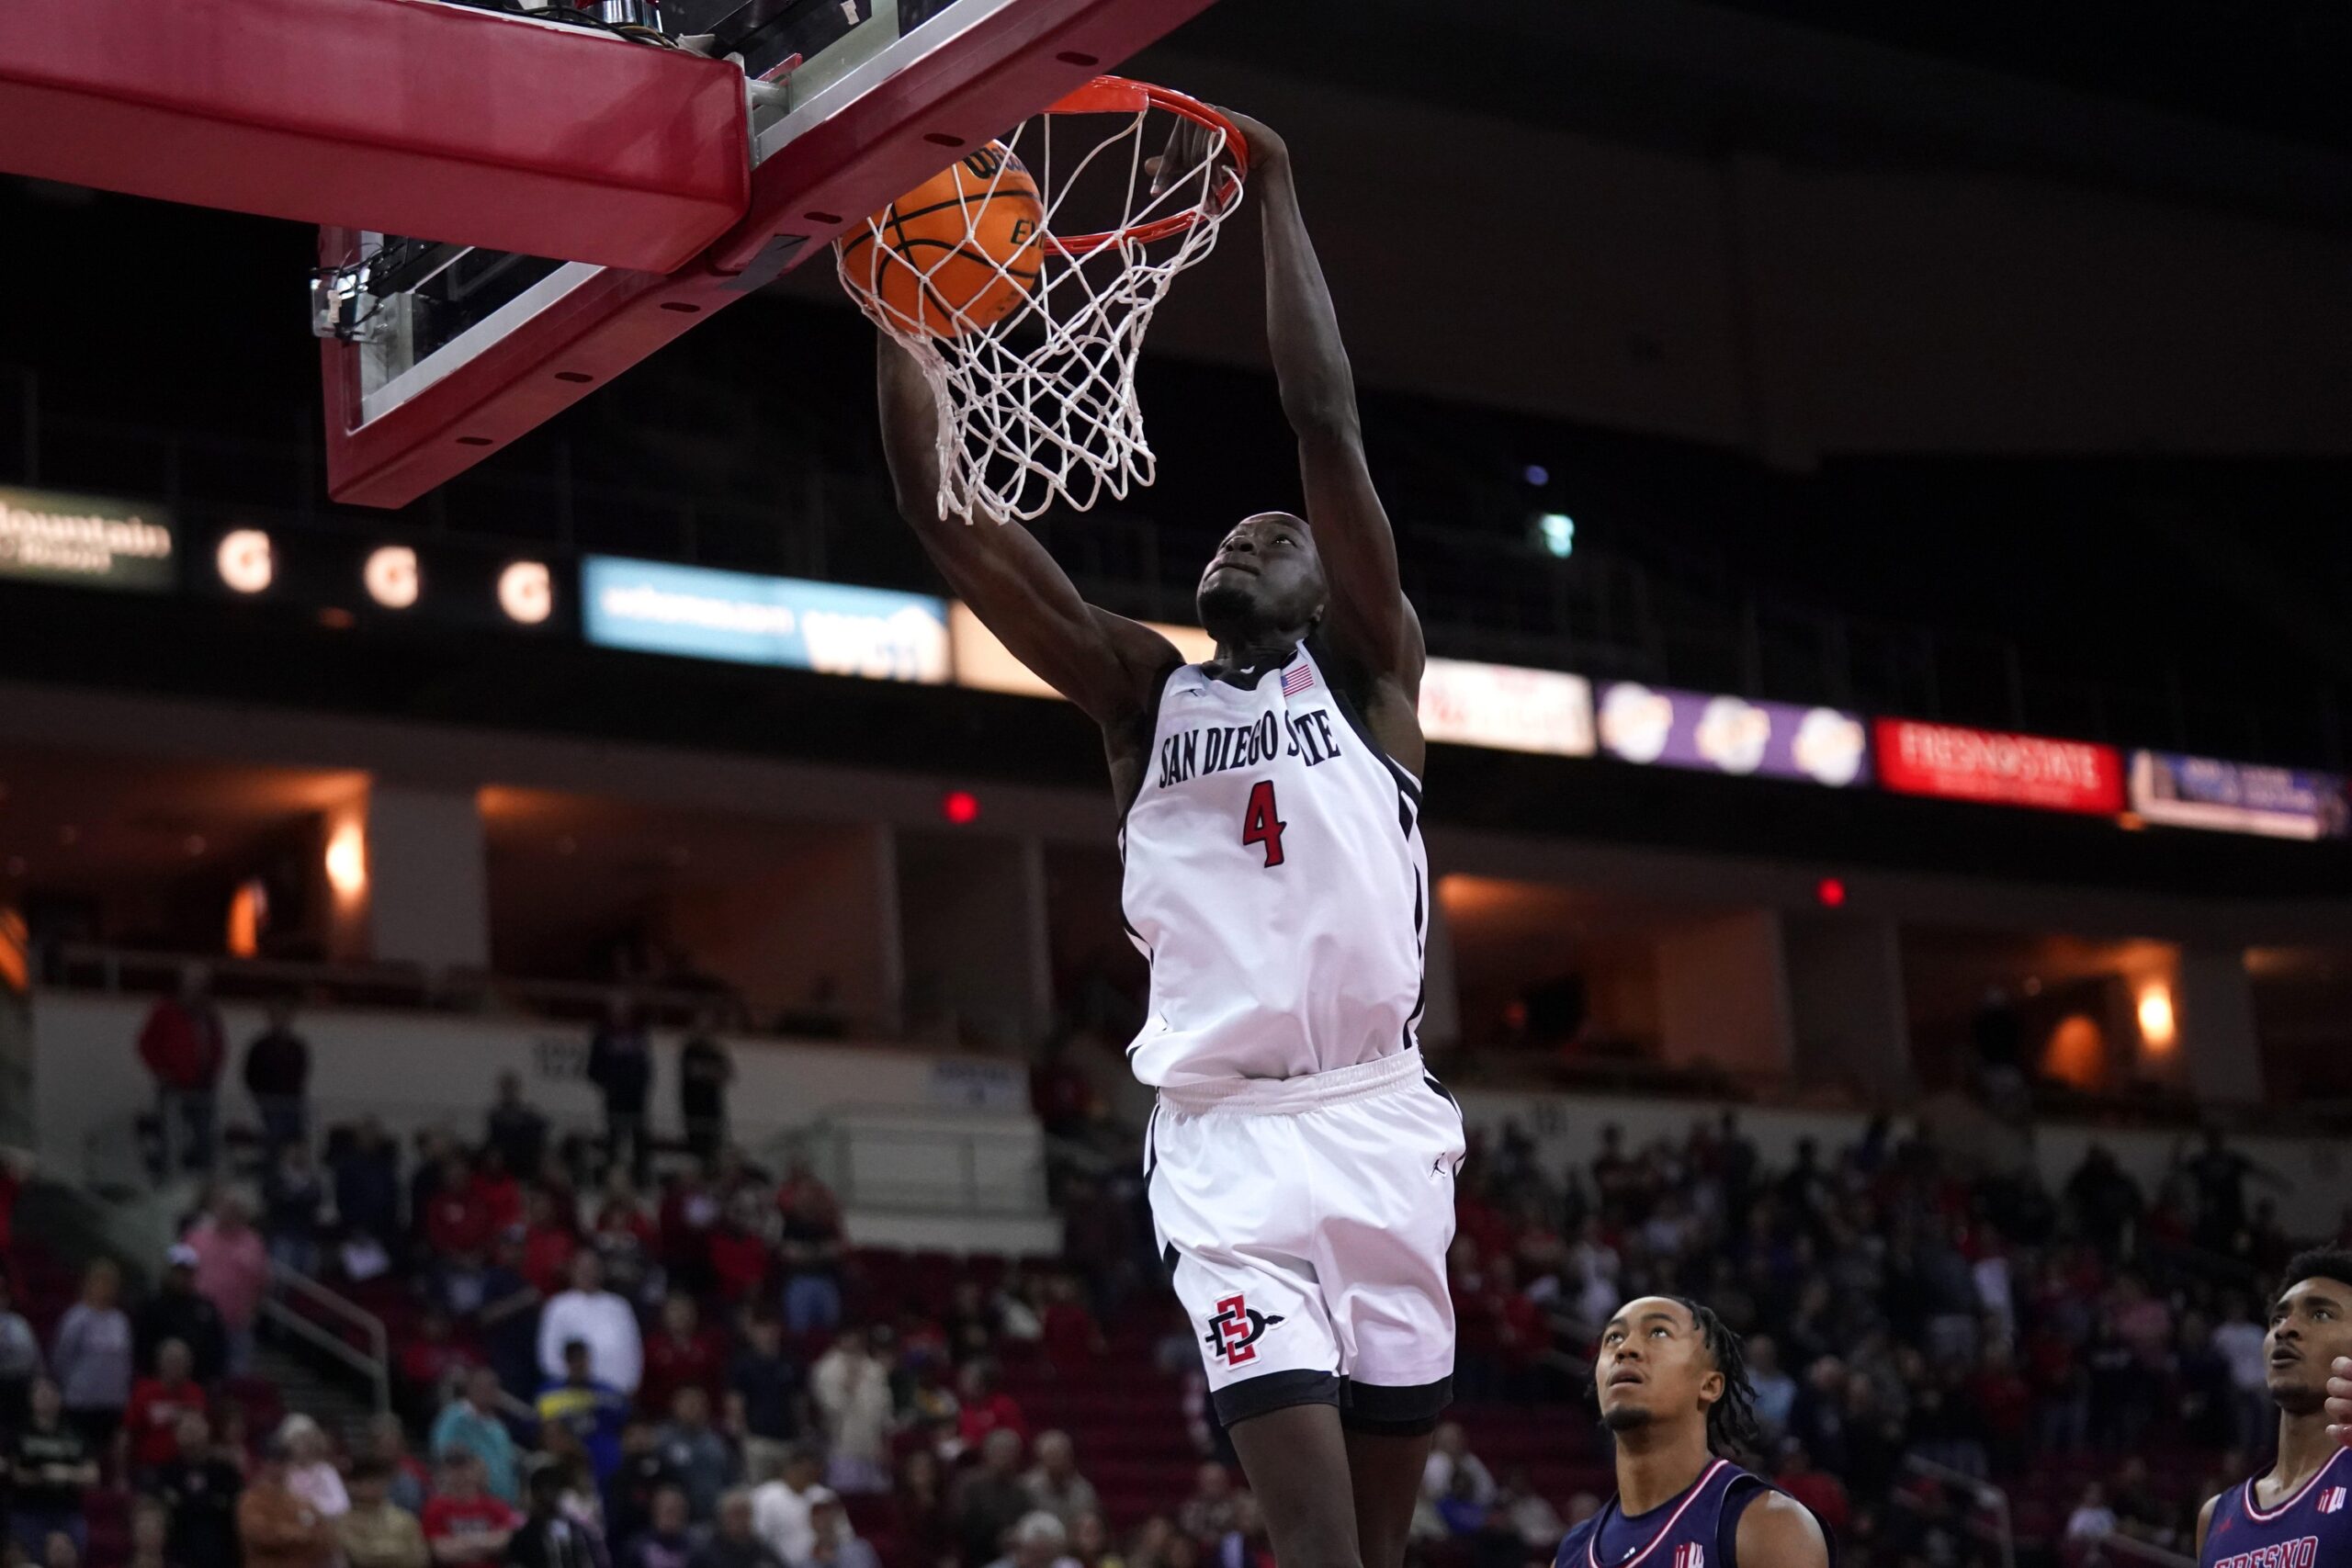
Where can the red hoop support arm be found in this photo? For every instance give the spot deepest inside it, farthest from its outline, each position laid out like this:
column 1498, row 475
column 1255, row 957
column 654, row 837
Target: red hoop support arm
column 400, row 115
column 1003, row 68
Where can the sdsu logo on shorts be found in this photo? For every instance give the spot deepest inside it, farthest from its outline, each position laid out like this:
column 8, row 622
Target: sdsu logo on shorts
column 1234, row 1331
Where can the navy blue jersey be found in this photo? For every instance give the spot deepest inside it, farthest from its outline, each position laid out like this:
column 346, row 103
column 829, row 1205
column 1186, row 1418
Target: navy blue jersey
column 1697, row 1529
column 2311, row 1530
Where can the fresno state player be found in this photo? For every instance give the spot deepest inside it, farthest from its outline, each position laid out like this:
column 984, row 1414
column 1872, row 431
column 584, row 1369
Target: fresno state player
column 2298, row 1514
column 1674, row 1390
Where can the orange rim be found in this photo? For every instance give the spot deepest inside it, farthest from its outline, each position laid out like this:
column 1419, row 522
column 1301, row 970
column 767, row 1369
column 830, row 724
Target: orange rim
column 1118, row 95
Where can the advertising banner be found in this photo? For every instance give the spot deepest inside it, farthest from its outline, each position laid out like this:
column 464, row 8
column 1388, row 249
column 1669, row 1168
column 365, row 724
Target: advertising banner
column 86, row 540
column 1733, row 735
column 702, row 613
column 1505, row 707
column 2238, row 797
column 2002, row 770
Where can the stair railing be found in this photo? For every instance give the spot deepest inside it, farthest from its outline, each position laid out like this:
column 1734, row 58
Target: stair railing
column 373, row 1363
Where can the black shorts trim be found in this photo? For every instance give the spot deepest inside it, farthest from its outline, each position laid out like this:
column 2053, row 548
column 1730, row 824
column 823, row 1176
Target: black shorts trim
column 1387, row 1411
column 1237, row 1402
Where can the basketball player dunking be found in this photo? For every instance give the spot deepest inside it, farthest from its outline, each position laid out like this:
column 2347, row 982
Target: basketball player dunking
column 2298, row 1514
column 1300, row 1160
column 1674, row 1390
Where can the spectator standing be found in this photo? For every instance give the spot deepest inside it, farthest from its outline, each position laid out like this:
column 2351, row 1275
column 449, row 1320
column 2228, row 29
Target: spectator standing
column 294, row 1198
column 507, row 1320
column 2092, row 1520
column 665, row 1542
column 2238, row 1340
column 549, row 1243
column 643, row 1476
column 20, row 1360
column 277, row 1075
column 406, row 1480
column 552, row 1536
column 991, row 1500
column 310, row 1473
column 515, row 1128
column 465, row 1526
column 600, row 1320
column 184, row 1046
column 152, row 1421
column 53, row 1465
column 1816, row 1489
column 811, row 1242
column 836, row 1543
column 692, row 1448
column 178, row 1311
column 681, row 1354
column 983, row 1406
column 278, row 1527
column 1207, row 1515
column 736, row 1542
column 469, row 1430
column 926, row 1523
column 766, row 1396
column 705, row 1072
column 1449, row 1462
column 1039, row 1541
column 374, row 1533
column 367, row 1171
column 1055, row 1484
column 91, row 1357
column 231, row 1272
column 851, row 1393
column 779, row 1506
column 202, row 1486
column 590, row 1409
column 620, row 1063
column 1776, row 1391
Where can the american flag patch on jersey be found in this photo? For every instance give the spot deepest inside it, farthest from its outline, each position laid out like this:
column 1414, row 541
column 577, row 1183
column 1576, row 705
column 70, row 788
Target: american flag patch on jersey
column 2332, row 1500
column 1298, row 680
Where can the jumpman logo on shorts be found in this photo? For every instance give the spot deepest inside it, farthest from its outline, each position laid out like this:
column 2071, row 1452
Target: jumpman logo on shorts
column 1234, row 1331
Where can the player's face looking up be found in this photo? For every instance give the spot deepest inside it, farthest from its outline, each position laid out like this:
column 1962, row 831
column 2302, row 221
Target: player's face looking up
column 2310, row 1324
column 1654, row 1365
column 1265, row 579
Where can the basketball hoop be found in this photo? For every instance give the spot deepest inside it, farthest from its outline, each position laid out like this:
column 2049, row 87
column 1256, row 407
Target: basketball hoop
column 1031, row 357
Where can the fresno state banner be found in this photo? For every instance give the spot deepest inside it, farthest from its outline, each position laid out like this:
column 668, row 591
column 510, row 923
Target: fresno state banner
column 2003, row 770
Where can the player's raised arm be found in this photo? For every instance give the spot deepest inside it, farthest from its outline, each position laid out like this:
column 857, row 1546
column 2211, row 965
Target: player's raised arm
column 1104, row 663
column 1369, row 620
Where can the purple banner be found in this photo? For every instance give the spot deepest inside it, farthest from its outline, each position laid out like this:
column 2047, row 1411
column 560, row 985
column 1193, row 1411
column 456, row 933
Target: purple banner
column 1733, row 735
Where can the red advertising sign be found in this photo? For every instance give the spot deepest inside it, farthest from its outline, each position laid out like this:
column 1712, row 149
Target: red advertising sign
column 2007, row 770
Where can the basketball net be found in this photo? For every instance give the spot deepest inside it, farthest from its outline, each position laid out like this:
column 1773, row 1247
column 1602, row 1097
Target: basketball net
column 1040, row 407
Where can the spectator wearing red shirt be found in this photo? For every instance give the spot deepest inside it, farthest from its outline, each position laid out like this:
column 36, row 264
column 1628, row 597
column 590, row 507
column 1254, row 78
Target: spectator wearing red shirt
column 1072, row 1337
column 740, row 1255
column 496, row 1191
column 432, row 1361
column 151, row 1424
column 681, row 1354
column 988, row 1408
column 548, row 1245
column 464, row 1525
column 185, row 1047
column 1816, row 1489
column 455, row 1224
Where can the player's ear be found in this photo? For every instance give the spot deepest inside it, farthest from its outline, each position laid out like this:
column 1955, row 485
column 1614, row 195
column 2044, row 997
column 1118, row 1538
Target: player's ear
column 1710, row 1391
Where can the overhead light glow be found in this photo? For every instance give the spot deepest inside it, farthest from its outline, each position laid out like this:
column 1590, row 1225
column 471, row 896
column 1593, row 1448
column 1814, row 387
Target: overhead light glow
column 526, row 592
column 244, row 559
column 347, row 861
column 1556, row 533
column 960, row 806
column 391, row 576
column 2156, row 1024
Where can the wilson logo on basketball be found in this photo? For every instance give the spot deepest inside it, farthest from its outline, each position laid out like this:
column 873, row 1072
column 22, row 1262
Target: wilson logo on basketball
column 1234, row 1331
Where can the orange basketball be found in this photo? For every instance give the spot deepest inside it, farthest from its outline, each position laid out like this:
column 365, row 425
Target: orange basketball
column 959, row 252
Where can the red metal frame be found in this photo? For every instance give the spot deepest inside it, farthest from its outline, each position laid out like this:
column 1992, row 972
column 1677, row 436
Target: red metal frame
column 401, row 115
column 1004, row 68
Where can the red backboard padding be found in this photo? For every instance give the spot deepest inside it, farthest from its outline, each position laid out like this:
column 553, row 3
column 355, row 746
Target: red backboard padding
column 401, row 115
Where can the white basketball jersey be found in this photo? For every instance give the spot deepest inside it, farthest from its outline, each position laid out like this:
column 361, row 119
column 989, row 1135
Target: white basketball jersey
column 1275, row 880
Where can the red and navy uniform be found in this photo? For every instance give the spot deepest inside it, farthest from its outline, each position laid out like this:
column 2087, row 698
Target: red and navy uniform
column 2311, row 1530
column 1699, row 1529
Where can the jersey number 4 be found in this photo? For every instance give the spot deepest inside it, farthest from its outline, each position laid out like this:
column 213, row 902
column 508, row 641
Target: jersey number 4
column 1260, row 824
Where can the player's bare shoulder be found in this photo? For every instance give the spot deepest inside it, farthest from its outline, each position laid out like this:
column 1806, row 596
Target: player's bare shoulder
column 1778, row 1531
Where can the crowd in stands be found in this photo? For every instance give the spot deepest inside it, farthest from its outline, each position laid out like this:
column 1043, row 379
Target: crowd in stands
column 612, row 1353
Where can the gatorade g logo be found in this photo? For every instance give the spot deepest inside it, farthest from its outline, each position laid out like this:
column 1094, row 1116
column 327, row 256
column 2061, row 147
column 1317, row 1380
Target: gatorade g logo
column 1234, row 1331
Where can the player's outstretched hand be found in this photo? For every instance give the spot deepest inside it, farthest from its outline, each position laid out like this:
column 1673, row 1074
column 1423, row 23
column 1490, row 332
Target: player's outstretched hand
column 1188, row 146
column 2339, row 1400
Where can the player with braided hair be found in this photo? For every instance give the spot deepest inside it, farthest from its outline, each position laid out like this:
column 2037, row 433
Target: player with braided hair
column 1674, row 1390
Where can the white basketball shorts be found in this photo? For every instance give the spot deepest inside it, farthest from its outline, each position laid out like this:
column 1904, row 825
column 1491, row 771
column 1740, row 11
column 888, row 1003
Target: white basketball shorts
column 1305, row 1222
